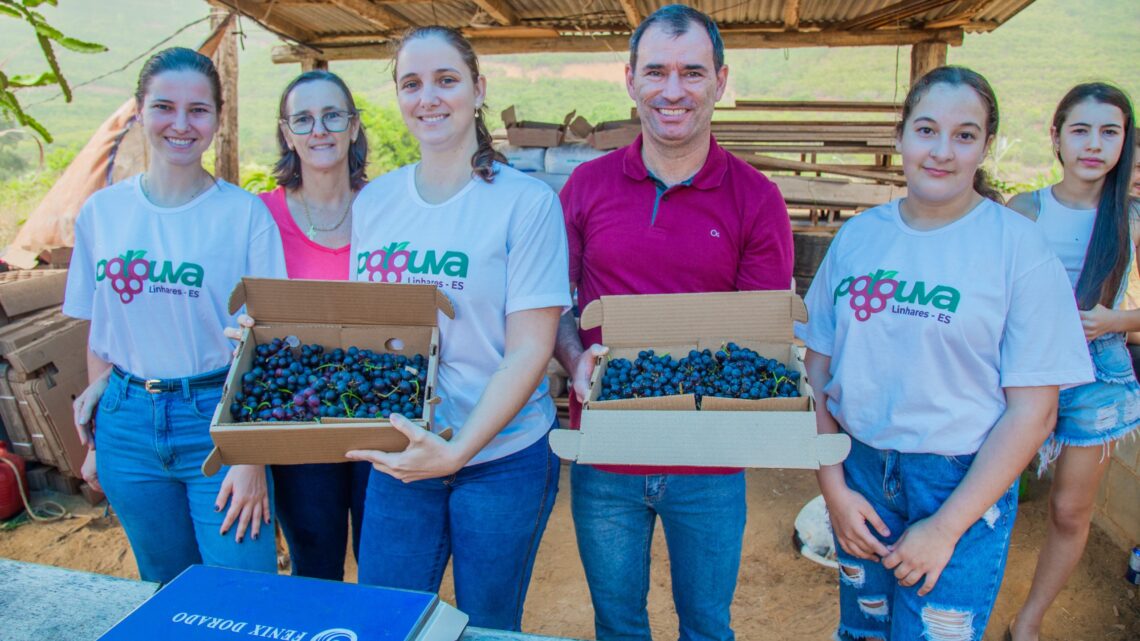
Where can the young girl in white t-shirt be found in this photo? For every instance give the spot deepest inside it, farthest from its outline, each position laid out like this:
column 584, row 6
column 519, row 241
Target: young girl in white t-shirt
column 155, row 260
column 493, row 240
column 926, row 325
column 1087, row 219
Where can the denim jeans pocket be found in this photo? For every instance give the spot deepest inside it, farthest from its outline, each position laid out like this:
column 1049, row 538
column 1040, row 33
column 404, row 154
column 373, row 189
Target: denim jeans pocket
column 204, row 402
column 112, row 396
column 1112, row 361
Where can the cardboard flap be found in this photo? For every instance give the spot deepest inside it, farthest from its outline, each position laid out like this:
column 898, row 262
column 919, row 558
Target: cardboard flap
column 510, row 117
column 581, row 127
column 681, row 318
column 270, row 300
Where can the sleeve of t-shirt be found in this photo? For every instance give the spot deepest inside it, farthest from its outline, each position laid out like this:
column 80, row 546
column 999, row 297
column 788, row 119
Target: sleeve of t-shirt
column 766, row 262
column 573, row 227
column 266, row 256
column 820, row 334
column 80, row 292
column 1043, row 343
column 537, row 270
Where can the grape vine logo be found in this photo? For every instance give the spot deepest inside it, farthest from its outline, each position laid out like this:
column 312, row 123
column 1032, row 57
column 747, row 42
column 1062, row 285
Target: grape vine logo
column 393, row 263
column 872, row 293
column 129, row 273
column 335, row 634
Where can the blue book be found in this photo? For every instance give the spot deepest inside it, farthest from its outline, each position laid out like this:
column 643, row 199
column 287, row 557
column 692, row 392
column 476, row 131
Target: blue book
column 218, row 604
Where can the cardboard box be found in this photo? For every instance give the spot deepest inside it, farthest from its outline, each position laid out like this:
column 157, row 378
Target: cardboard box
column 218, row 604
column 24, row 291
column 526, row 133
column 381, row 317
column 607, row 135
column 669, row 430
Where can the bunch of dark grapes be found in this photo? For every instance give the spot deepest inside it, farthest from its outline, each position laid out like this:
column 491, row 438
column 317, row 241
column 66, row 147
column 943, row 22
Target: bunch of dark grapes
column 294, row 382
column 730, row 372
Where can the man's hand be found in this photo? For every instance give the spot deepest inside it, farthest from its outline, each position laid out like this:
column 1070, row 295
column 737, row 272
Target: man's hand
column 584, row 370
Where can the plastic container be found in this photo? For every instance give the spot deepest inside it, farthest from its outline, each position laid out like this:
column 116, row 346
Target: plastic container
column 12, row 478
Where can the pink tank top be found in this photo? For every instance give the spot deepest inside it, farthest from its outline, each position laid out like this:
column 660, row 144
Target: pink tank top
column 303, row 257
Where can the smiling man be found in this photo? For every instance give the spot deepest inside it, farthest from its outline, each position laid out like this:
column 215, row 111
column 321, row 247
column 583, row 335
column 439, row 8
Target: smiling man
column 671, row 213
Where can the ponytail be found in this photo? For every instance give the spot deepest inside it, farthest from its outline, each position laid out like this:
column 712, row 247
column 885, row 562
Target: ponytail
column 483, row 162
column 983, row 186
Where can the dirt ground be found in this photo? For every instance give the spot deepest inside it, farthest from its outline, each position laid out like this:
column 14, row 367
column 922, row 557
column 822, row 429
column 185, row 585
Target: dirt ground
column 781, row 596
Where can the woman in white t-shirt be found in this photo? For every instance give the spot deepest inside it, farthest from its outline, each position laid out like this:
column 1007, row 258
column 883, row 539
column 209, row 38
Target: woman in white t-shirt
column 926, row 325
column 1086, row 218
column 155, row 259
column 493, row 240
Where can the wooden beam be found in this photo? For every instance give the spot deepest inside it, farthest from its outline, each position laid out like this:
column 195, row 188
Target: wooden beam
column 925, row 56
column 375, row 15
column 891, row 14
column 791, row 14
column 761, row 161
column 490, row 45
column 499, row 10
column 632, row 15
column 313, row 64
column 261, row 14
column 226, row 140
column 858, row 106
column 473, row 33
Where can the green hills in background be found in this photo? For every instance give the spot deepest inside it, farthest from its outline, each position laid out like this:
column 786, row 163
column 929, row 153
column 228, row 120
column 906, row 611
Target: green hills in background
column 1031, row 61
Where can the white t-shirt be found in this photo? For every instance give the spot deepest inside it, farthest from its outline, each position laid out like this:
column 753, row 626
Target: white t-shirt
column 959, row 313
column 165, row 318
column 1069, row 232
column 493, row 249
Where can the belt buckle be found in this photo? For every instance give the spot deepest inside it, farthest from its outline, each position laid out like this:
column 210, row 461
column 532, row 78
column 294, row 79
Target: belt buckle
column 148, row 385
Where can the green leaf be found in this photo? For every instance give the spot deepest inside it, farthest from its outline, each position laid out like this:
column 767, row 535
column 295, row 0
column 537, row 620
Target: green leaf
column 80, row 46
column 31, row 4
column 46, row 30
column 9, row 11
column 44, row 79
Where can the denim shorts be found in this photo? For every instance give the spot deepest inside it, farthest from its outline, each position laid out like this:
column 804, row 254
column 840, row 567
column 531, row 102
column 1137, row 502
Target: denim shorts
column 1097, row 413
column 905, row 488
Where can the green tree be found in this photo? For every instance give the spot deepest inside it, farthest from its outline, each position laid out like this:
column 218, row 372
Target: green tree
column 45, row 36
column 390, row 144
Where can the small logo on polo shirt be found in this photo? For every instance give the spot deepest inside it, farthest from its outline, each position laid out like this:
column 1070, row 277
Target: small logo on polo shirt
column 714, row 233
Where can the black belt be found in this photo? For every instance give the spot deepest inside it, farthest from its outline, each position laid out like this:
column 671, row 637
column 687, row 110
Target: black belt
column 157, row 385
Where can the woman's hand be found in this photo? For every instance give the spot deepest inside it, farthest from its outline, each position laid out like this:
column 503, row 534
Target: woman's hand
column 924, row 549
column 248, row 495
column 83, row 408
column 235, row 332
column 89, row 473
column 584, row 370
column 850, row 513
column 1098, row 321
column 427, row 456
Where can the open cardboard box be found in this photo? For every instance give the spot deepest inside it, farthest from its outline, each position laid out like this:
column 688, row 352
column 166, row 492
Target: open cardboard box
column 526, row 133
column 24, row 291
column 376, row 316
column 607, row 135
column 725, row 432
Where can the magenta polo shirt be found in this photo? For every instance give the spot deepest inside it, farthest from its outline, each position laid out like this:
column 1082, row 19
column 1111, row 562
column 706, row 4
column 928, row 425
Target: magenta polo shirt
column 725, row 229
column 303, row 257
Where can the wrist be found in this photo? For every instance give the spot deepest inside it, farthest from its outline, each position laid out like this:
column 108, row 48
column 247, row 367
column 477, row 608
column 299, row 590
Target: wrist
column 946, row 525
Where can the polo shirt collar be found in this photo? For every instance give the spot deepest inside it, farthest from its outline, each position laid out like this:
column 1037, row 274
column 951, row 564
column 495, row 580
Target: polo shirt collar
column 710, row 175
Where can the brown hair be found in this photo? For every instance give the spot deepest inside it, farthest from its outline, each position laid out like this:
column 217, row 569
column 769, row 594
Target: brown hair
column 1106, row 260
column 482, row 162
column 956, row 77
column 287, row 171
column 179, row 59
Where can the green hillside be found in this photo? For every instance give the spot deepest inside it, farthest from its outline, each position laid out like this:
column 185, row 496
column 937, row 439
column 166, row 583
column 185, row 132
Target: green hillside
column 1031, row 61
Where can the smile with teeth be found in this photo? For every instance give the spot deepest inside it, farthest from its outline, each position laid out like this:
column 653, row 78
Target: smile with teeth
column 180, row 142
column 672, row 111
column 433, row 118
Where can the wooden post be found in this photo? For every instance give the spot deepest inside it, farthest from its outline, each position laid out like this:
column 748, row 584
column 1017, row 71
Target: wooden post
column 925, row 56
column 312, row 64
column 226, row 140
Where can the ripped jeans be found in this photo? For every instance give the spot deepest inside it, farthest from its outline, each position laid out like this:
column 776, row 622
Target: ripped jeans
column 903, row 489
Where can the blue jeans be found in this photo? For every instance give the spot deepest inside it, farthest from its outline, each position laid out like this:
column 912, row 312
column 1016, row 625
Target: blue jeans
column 489, row 517
column 904, row 489
column 703, row 516
column 314, row 504
column 150, row 449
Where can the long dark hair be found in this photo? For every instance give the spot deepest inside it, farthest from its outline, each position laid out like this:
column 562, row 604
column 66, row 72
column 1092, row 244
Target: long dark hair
column 1106, row 260
column 482, row 162
column 287, row 171
column 178, row 59
column 956, row 76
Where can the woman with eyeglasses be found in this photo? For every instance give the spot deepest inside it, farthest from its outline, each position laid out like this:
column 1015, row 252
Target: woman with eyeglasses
column 323, row 152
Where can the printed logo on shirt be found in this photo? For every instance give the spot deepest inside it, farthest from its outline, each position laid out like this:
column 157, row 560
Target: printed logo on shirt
column 129, row 273
column 396, row 263
column 873, row 293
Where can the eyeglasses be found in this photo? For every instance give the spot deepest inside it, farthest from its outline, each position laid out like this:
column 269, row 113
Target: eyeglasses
column 333, row 122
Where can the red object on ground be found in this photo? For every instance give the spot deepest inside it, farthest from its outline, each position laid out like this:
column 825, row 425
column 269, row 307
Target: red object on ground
column 11, row 503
